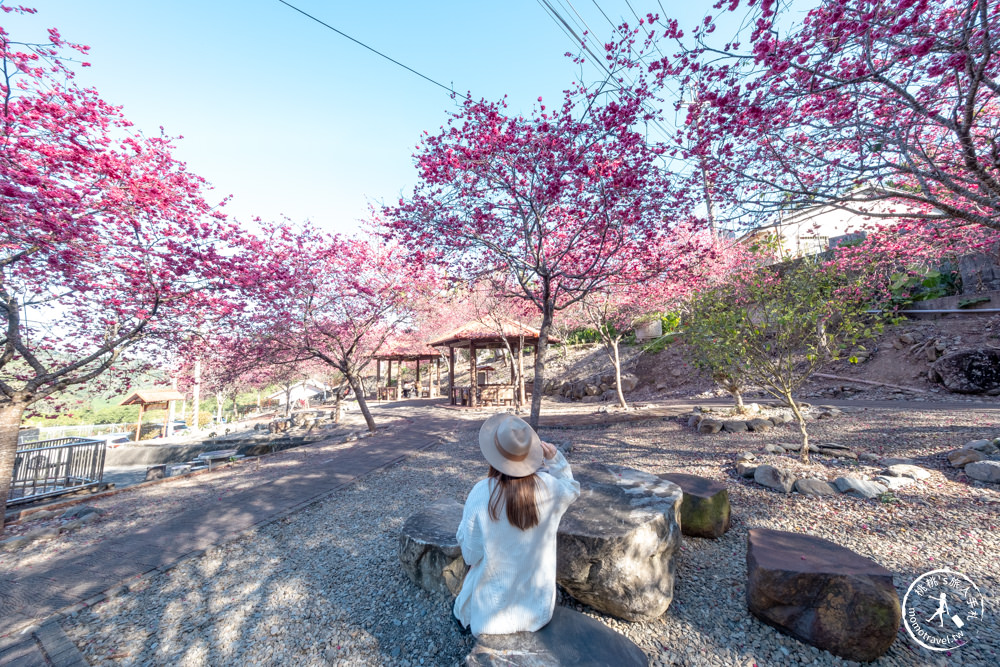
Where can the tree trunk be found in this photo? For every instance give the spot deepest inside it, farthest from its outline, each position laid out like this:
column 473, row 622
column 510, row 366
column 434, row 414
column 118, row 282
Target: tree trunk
column 540, row 349
column 362, row 403
column 288, row 402
column 804, row 454
column 617, row 363
column 738, row 397
column 337, row 397
column 219, row 402
column 196, row 397
column 10, row 425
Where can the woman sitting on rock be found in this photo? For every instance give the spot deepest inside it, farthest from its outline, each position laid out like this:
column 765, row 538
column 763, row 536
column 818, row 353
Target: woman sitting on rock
column 508, row 530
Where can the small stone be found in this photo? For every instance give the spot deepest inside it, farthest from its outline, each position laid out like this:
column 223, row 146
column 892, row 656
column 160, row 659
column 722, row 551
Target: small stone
column 709, row 426
column 774, row 478
column 961, row 457
column 983, row 446
column 904, row 470
column 894, row 483
column 745, row 456
column 760, row 425
column 734, row 426
column 868, row 457
column 859, row 487
column 896, row 461
column 814, row 487
column 745, row 469
column 774, row 449
column 984, row 471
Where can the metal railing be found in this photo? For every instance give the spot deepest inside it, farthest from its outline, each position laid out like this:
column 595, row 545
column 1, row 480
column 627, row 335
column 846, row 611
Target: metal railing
column 73, row 431
column 54, row 467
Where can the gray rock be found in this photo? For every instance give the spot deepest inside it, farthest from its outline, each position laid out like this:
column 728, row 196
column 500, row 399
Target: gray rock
column 780, row 418
column 745, row 470
column 759, row 425
column 774, row 449
column 814, row 487
column 984, row 471
column 904, row 470
column 972, row 371
column 705, row 510
column 894, row 483
column 156, row 472
column 616, row 543
column 835, row 453
column 891, row 461
column 745, row 456
column 571, row 639
column 14, row 543
column 734, row 426
column 694, row 419
column 774, row 478
column 591, row 390
column 962, row 457
column 629, row 382
column 429, row 550
column 590, row 398
column 709, row 426
column 179, row 469
column 859, row 487
column 868, row 457
column 984, row 446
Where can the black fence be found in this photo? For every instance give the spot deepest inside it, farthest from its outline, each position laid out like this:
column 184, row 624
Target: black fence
column 54, row 467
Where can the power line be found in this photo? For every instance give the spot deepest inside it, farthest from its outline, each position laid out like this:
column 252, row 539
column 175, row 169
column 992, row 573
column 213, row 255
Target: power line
column 373, row 50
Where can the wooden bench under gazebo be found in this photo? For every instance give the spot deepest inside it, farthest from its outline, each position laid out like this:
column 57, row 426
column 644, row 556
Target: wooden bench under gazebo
column 390, row 392
column 477, row 336
column 152, row 399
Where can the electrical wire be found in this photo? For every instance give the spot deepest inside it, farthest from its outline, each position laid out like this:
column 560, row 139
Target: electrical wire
column 374, row 50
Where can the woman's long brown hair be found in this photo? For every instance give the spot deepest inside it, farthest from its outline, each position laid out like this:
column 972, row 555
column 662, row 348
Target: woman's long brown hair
column 518, row 494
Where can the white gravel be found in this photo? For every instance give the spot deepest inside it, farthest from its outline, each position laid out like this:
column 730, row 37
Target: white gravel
column 325, row 587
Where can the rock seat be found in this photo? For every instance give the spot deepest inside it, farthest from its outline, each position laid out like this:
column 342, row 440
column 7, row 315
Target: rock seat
column 429, row 550
column 617, row 542
column 571, row 639
column 821, row 593
column 705, row 509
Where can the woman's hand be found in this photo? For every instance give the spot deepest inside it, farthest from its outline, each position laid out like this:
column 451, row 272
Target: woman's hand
column 548, row 450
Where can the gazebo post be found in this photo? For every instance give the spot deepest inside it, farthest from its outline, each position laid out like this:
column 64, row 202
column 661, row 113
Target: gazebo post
column 138, row 425
column 473, row 380
column 451, row 373
column 437, row 376
column 388, row 379
column 378, row 378
column 417, row 388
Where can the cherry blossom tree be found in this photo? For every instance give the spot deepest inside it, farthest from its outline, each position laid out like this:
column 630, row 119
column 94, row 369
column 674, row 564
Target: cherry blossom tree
column 563, row 201
column 106, row 242
column 332, row 299
column 901, row 96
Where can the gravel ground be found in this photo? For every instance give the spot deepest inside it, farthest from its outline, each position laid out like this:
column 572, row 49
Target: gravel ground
column 324, row 586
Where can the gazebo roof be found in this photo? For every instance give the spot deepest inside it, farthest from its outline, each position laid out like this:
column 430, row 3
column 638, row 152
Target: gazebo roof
column 407, row 352
column 484, row 335
column 147, row 396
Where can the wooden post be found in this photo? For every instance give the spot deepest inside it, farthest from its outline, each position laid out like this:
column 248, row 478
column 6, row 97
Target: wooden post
column 138, row 426
column 388, row 378
column 168, row 428
column 196, row 398
column 437, row 376
column 451, row 374
column 417, row 388
column 378, row 377
column 473, row 380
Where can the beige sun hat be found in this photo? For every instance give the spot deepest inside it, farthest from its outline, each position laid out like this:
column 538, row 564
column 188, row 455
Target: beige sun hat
column 510, row 445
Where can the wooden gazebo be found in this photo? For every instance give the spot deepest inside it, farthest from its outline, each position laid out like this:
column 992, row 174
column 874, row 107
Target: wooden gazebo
column 151, row 399
column 479, row 336
column 415, row 353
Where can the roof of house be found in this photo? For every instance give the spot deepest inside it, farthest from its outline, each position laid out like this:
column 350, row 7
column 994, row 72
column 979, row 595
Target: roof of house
column 310, row 383
column 146, row 396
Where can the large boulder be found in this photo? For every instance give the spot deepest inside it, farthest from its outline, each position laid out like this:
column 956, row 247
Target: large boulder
column 709, row 426
column 814, row 487
column 705, row 508
column 973, row 371
column 859, row 487
column 821, row 593
column 959, row 458
column 570, row 639
column 429, row 550
column 617, row 542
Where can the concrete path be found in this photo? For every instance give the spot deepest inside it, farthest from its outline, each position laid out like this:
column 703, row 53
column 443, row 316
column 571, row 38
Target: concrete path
column 85, row 577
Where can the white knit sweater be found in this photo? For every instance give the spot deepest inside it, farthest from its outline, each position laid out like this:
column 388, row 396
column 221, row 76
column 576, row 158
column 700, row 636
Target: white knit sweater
column 511, row 584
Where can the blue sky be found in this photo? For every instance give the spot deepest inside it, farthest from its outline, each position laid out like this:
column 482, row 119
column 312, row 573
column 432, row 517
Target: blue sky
column 292, row 119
